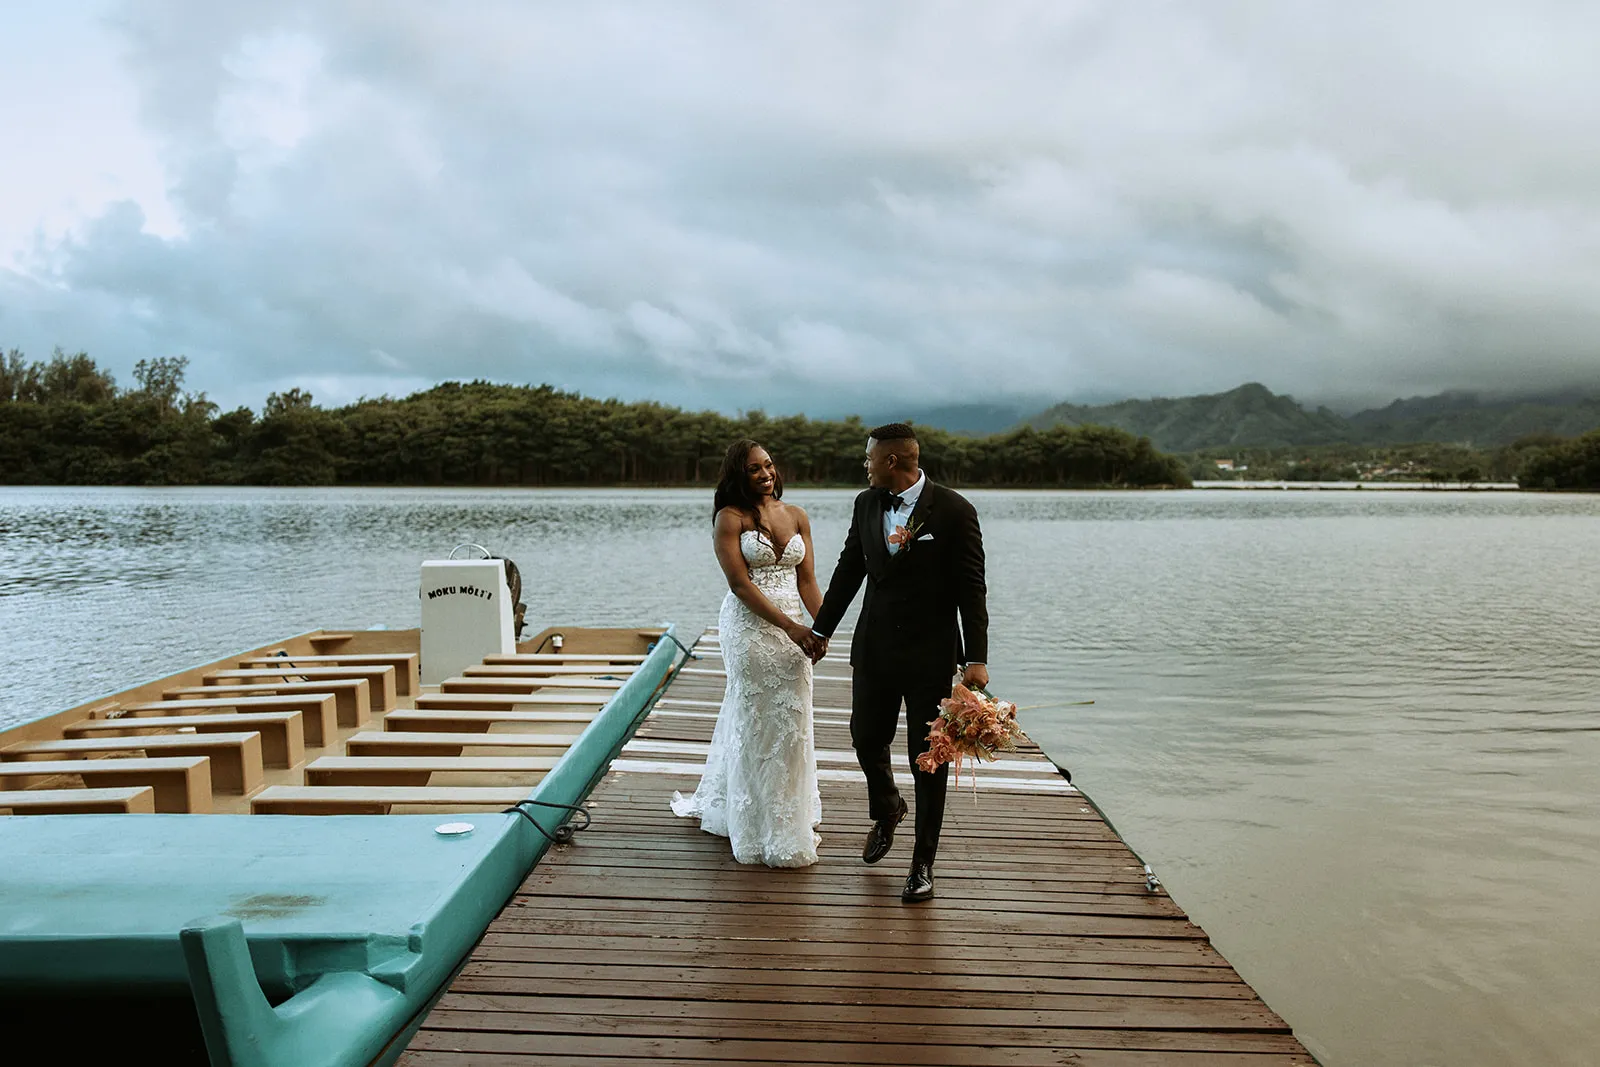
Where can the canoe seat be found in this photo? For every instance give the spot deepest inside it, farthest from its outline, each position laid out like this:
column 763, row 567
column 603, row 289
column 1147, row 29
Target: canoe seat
column 491, row 683
column 563, row 657
column 236, row 764
column 181, row 783
column 321, row 721
column 352, row 697
column 508, row 700
column 381, row 679
column 434, row 743
column 553, row 670
column 282, row 733
column 407, row 665
column 419, row 770
column 377, row 800
column 133, row 799
column 467, row 719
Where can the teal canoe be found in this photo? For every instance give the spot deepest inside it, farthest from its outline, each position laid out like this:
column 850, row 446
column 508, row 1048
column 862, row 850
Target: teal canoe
column 303, row 940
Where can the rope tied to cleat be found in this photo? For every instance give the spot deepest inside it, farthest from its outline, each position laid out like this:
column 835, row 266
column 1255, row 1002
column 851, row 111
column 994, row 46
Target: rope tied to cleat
column 564, row 830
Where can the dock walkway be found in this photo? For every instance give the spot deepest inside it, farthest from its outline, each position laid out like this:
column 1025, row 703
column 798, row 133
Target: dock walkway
column 643, row 941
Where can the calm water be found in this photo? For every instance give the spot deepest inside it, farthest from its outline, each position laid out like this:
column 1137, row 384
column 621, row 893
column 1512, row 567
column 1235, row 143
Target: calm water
column 1357, row 734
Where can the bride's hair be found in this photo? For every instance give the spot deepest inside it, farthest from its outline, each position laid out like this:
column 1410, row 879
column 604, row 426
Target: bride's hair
column 733, row 486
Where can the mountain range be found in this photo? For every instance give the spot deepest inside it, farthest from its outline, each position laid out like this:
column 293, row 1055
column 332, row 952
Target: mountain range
column 1253, row 416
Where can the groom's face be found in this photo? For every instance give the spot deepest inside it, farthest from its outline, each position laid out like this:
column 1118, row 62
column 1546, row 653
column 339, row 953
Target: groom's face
column 880, row 462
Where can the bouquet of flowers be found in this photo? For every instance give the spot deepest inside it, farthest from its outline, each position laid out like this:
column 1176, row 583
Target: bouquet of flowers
column 971, row 723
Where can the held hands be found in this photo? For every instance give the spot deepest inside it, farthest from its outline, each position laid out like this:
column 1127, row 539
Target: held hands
column 975, row 676
column 813, row 646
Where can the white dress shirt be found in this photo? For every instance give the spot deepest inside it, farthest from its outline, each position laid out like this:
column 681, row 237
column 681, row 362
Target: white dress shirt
column 893, row 517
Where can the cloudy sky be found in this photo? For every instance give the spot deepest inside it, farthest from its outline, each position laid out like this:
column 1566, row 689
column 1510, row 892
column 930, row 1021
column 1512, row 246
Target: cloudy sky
column 820, row 207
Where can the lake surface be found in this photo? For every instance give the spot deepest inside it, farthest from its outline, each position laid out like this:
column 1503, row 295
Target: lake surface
column 1357, row 734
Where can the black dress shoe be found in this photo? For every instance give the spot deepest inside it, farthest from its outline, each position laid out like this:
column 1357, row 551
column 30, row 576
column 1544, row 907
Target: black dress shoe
column 881, row 836
column 919, row 883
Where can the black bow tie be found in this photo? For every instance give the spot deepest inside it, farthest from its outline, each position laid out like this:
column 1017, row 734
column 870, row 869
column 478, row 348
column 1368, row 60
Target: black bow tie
column 893, row 501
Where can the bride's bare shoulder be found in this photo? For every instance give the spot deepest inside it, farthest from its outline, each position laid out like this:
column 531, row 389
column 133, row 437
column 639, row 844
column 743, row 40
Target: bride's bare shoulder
column 733, row 520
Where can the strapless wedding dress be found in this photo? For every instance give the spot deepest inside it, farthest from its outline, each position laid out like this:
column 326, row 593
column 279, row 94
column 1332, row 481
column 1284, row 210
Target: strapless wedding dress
column 759, row 789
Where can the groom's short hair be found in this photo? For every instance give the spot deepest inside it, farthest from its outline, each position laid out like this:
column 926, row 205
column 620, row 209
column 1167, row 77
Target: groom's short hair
column 893, row 431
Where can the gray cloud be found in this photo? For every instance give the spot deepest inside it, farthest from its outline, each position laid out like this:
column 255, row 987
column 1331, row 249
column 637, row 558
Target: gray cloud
column 825, row 206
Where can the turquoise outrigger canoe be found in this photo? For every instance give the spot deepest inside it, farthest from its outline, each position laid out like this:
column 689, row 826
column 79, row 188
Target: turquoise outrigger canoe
column 298, row 940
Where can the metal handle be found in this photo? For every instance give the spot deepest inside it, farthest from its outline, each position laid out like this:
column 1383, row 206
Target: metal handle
column 486, row 553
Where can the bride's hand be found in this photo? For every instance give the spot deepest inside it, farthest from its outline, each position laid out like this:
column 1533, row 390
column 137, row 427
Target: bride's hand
column 799, row 633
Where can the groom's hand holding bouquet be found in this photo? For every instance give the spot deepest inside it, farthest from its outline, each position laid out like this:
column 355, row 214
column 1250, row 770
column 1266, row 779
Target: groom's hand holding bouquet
column 971, row 724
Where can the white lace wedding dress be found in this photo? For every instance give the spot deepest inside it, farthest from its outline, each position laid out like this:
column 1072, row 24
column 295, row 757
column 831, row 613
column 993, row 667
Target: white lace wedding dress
column 759, row 789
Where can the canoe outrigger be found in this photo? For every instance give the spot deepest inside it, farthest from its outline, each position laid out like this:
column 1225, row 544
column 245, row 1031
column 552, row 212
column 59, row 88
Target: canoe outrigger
column 255, row 913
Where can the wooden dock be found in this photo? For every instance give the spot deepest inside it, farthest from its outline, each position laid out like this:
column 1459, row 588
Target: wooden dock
column 643, row 941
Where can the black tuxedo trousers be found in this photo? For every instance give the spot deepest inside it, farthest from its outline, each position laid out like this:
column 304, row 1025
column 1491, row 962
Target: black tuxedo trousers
column 875, row 703
column 924, row 612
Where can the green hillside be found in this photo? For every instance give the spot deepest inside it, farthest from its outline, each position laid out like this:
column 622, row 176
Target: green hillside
column 1252, row 416
column 1249, row 416
column 1465, row 418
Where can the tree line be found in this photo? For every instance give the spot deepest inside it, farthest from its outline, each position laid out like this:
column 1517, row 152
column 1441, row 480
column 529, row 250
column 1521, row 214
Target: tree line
column 66, row 421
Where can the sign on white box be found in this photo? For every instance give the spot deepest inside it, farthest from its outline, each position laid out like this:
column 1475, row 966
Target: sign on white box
column 466, row 615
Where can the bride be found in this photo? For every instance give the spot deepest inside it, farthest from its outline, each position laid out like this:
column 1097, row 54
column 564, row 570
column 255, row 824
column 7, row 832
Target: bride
column 759, row 788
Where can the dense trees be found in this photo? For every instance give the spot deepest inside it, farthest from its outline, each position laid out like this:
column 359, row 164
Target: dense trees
column 65, row 421
column 1563, row 464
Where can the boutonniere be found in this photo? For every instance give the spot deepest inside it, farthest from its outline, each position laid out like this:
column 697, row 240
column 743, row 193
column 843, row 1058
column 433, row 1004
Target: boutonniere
column 905, row 536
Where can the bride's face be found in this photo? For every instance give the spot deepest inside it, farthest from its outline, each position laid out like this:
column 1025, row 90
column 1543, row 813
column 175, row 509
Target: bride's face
column 758, row 468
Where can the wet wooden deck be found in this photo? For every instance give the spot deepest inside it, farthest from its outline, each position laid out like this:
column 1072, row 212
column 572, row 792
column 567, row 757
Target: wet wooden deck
column 644, row 942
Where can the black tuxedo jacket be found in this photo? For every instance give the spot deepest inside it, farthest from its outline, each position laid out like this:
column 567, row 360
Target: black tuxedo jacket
column 909, row 617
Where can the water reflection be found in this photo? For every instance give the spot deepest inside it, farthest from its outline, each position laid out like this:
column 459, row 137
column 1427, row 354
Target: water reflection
column 1355, row 732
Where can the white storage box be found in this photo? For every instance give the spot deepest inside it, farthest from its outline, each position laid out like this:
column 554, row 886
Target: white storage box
column 466, row 615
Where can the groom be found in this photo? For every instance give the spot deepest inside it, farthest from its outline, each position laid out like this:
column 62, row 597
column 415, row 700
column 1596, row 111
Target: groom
column 918, row 547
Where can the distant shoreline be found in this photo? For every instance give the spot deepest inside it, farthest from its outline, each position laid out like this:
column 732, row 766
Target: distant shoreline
column 1432, row 487
column 1234, row 485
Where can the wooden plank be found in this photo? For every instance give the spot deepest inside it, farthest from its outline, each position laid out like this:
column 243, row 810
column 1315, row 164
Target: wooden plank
column 454, row 1049
column 797, row 1055
column 377, row 800
column 1118, row 969
column 424, row 743
column 512, row 684
column 283, row 733
column 915, row 1021
column 643, row 940
column 550, row 670
column 1060, row 952
column 496, row 701
column 380, row 679
column 236, row 763
column 841, row 985
column 321, row 718
column 512, row 1030
column 448, row 720
column 407, row 665
column 419, row 770
column 182, row 784
column 352, row 697
column 137, row 799
column 565, row 657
